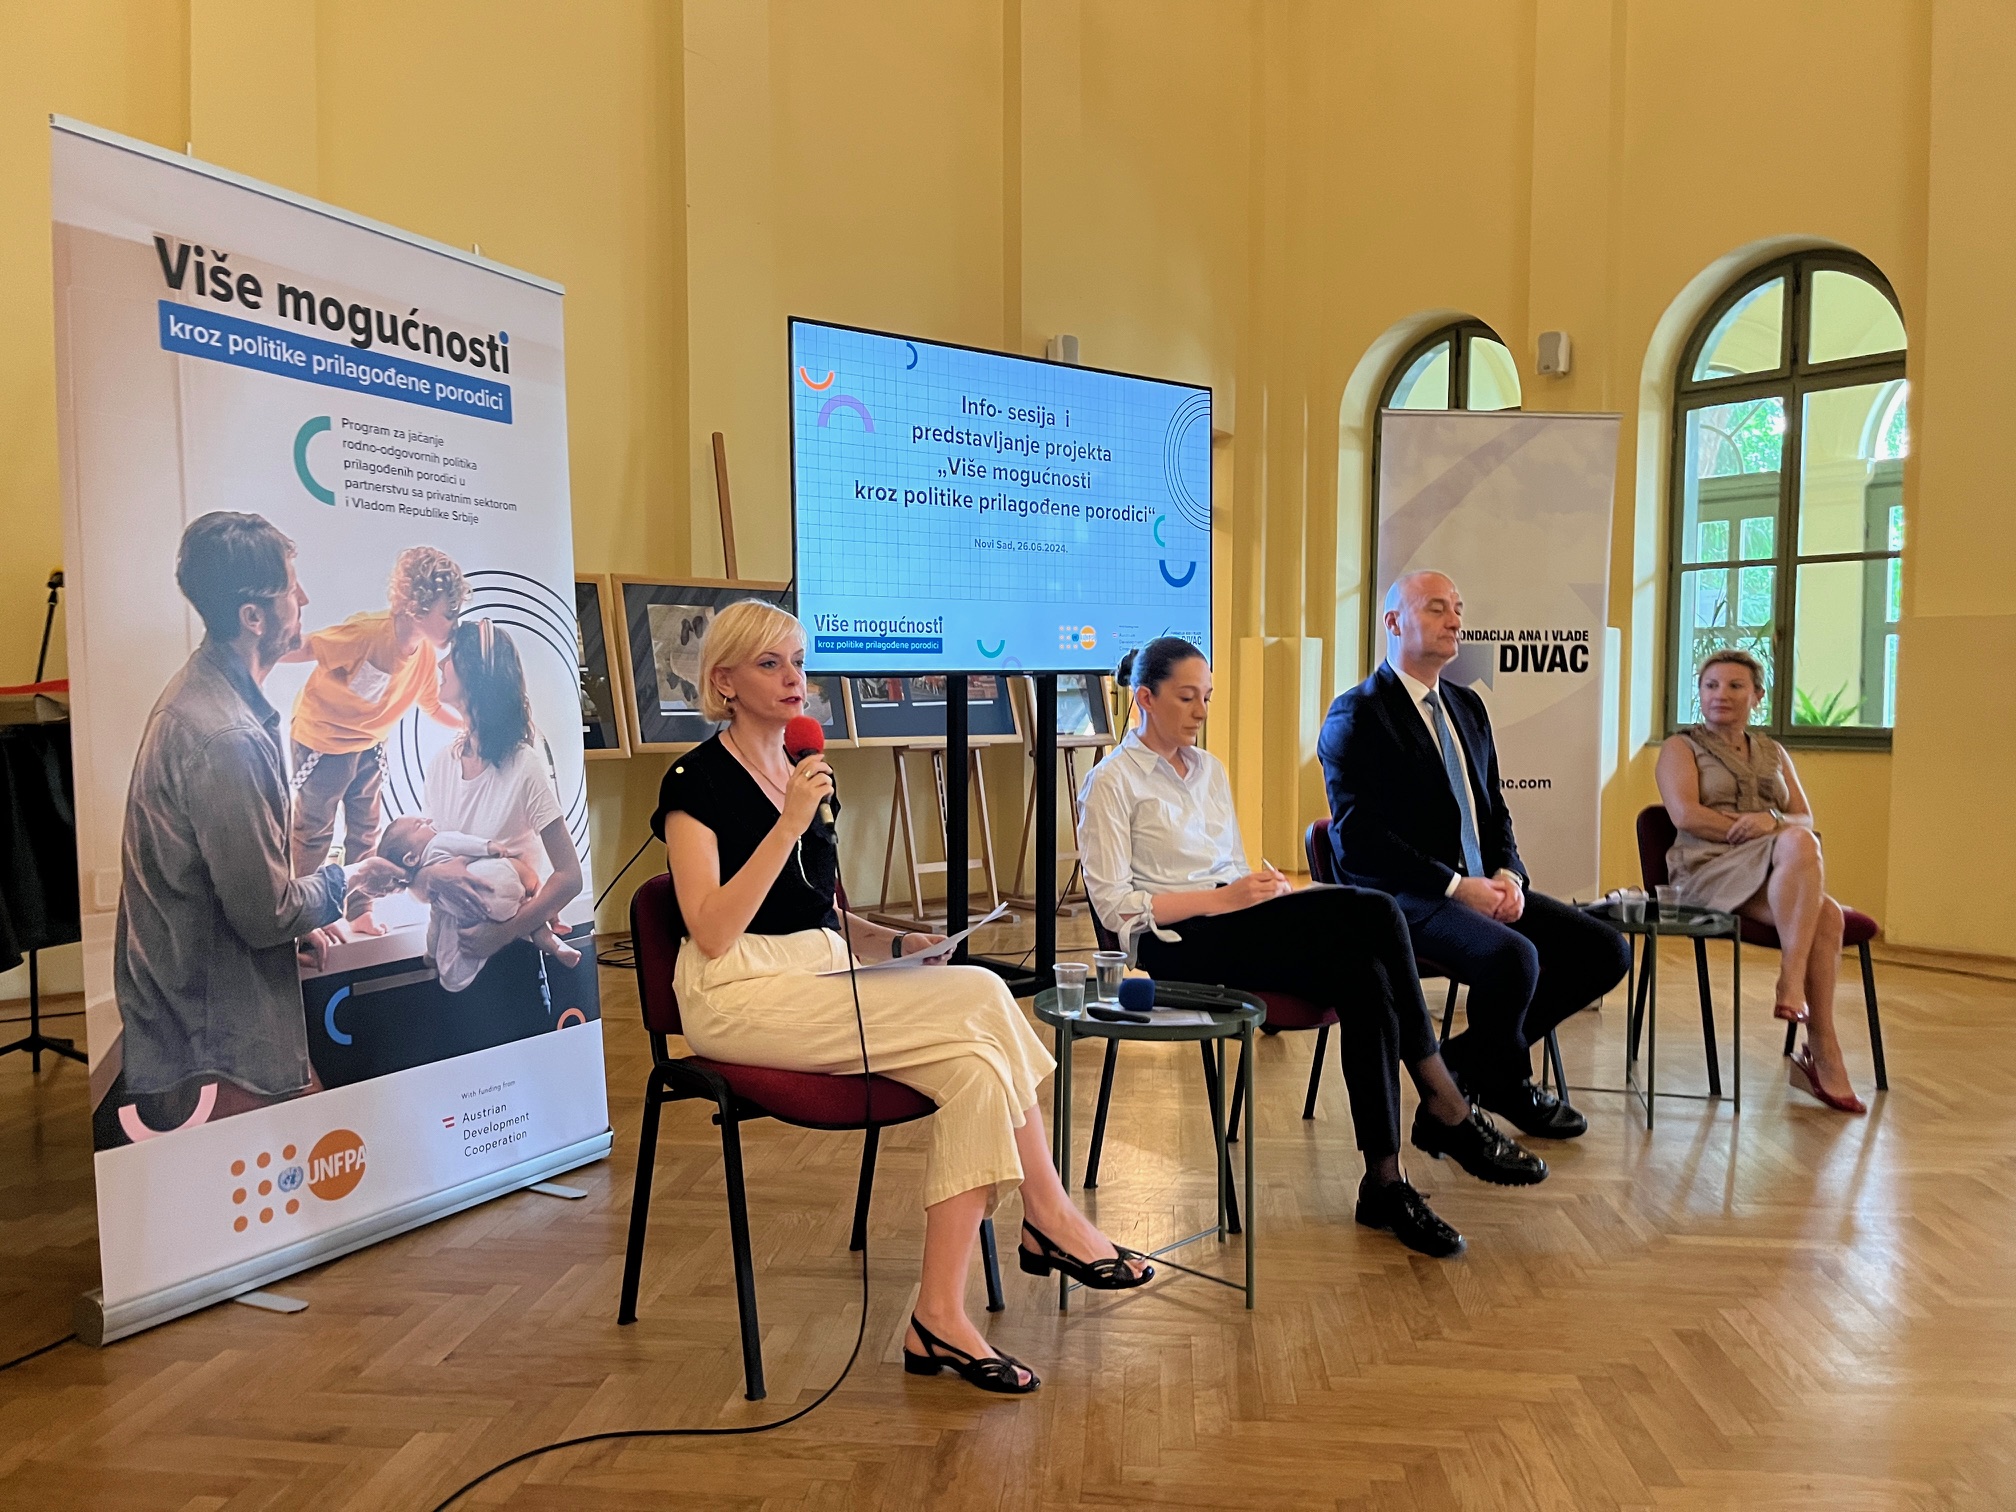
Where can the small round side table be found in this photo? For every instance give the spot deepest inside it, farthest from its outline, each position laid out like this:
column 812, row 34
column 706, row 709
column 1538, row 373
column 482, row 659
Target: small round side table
column 1642, row 996
column 1231, row 1015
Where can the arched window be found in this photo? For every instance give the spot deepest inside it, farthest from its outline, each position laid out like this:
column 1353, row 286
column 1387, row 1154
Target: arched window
column 1790, row 431
column 1461, row 366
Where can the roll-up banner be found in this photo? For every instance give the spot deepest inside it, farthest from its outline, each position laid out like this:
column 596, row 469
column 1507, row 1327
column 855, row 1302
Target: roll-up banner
column 332, row 813
column 1516, row 508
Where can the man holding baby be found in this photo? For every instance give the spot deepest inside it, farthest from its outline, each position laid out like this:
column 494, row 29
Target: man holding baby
column 204, row 965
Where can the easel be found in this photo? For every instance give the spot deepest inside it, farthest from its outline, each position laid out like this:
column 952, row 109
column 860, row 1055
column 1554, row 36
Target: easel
column 35, row 1041
column 721, row 498
column 902, row 821
column 1073, row 896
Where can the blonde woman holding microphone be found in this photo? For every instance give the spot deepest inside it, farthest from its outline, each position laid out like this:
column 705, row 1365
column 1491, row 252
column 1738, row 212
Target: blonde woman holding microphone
column 756, row 873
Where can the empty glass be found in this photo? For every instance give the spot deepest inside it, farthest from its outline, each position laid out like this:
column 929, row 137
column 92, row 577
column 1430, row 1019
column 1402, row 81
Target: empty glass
column 1071, row 986
column 1631, row 906
column 1669, row 904
column 1111, row 966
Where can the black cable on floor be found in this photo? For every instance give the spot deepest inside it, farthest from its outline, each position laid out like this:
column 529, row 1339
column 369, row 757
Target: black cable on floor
column 644, row 1433
column 37, row 1353
column 860, row 1333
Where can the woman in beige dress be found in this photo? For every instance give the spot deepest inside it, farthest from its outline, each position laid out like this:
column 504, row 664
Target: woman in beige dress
column 1746, row 845
column 755, row 867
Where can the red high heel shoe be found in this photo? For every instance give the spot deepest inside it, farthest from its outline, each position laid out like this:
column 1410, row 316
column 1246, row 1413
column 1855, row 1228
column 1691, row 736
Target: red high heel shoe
column 1791, row 1013
column 1803, row 1076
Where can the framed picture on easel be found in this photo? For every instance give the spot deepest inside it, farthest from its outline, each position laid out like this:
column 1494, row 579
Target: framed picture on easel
column 605, row 733
column 663, row 621
column 910, row 711
column 1084, row 709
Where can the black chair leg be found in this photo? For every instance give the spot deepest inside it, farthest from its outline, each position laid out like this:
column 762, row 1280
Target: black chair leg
column 1316, row 1071
column 1875, row 1020
column 1560, row 1075
column 1448, row 1013
column 1099, row 1118
column 640, row 1201
column 745, row 1264
column 1238, row 1102
column 1707, row 1018
column 1212, row 1092
column 871, row 1138
column 1635, row 1028
column 990, row 1265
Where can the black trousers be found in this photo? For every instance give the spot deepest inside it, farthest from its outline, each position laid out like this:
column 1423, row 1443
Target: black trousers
column 1524, row 978
column 1337, row 947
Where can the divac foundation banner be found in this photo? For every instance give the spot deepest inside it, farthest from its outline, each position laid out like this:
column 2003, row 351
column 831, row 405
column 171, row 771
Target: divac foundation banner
column 1516, row 508
column 332, row 815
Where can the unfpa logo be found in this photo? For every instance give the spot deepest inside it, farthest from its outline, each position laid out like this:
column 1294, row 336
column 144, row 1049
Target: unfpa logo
column 336, row 1164
column 1076, row 637
column 269, row 1185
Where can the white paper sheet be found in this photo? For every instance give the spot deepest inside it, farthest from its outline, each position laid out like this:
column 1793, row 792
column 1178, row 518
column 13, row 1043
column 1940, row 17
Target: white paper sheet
column 937, row 955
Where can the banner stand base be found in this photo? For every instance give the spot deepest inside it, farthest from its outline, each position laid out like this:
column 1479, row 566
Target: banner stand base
column 98, row 1325
column 267, row 1301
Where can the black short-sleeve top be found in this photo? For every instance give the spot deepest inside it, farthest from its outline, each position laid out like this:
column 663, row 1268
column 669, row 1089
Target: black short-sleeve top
column 711, row 785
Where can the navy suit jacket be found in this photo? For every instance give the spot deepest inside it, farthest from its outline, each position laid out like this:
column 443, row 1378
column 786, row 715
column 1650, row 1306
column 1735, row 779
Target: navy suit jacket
column 1394, row 823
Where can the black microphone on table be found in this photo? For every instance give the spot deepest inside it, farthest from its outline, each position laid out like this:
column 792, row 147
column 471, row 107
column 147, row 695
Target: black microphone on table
column 803, row 737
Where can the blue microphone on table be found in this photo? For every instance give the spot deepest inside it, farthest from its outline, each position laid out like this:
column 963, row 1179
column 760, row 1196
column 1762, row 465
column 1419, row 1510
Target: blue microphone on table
column 1137, row 993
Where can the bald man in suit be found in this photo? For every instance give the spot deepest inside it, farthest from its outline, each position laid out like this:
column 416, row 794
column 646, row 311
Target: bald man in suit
column 1416, row 811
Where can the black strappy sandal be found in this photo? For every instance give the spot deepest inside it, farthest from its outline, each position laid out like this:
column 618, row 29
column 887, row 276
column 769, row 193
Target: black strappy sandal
column 990, row 1373
column 1113, row 1274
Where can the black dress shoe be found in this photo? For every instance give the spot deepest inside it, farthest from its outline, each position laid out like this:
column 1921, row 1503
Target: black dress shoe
column 1477, row 1145
column 1398, row 1208
column 1532, row 1111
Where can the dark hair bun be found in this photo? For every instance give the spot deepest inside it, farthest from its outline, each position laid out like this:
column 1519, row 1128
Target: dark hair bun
column 1150, row 666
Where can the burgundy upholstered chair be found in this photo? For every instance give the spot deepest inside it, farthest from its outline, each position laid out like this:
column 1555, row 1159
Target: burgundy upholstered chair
column 808, row 1100
column 1656, row 833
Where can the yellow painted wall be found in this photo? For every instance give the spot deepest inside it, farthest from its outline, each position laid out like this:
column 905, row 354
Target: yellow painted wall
column 1270, row 196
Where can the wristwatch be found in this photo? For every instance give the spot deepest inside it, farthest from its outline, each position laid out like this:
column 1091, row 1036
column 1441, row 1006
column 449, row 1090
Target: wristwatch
column 896, row 946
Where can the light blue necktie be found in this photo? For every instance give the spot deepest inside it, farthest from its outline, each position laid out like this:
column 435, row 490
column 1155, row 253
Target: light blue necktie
column 1473, row 853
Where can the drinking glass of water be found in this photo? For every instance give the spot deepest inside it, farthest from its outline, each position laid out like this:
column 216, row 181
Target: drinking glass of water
column 1111, row 966
column 1071, row 986
column 1669, row 904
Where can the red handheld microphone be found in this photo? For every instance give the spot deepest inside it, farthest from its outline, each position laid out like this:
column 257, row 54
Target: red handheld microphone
column 804, row 736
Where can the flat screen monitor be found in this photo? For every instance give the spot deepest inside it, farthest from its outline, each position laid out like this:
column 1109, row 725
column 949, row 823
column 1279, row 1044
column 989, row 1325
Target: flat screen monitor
column 958, row 510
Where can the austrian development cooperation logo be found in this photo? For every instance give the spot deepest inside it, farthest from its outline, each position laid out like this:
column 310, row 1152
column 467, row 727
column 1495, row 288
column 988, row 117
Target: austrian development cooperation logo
column 268, row 1186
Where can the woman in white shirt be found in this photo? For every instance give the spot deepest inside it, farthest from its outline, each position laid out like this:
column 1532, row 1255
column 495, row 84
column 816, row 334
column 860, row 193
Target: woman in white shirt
column 491, row 781
column 1161, row 848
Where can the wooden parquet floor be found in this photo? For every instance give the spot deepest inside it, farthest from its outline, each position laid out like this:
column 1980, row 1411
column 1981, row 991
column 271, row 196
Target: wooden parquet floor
column 1784, row 1309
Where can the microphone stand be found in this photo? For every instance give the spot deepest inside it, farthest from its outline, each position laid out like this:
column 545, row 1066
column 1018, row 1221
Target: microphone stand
column 35, row 1042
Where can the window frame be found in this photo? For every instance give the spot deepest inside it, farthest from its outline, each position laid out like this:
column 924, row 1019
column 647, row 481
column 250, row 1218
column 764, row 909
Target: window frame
column 1790, row 382
column 1458, row 334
